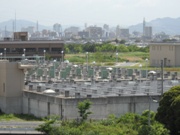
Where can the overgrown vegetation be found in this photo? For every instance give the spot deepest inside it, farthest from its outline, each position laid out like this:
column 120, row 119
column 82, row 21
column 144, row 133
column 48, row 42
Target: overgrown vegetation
column 82, row 48
column 48, row 125
column 128, row 124
column 18, row 117
column 105, row 53
column 106, row 57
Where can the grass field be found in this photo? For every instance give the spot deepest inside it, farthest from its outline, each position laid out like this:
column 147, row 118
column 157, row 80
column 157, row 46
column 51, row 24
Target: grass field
column 109, row 59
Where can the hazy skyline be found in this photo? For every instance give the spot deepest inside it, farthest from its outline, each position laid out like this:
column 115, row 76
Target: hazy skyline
column 71, row 12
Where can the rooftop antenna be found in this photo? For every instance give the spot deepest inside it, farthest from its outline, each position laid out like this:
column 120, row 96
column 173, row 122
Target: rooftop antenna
column 144, row 25
column 15, row 23
column 37, row 26
column 13, row 26
column 13, row 30
column 5, row 32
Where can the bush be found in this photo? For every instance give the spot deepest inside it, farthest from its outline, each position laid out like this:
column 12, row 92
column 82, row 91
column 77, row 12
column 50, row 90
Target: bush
column 128, row 124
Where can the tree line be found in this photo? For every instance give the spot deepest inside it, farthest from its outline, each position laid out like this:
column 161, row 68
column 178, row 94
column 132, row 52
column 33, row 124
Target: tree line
column 106, row 47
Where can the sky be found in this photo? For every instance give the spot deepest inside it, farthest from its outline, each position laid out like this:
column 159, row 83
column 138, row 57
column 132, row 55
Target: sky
column 92, row 12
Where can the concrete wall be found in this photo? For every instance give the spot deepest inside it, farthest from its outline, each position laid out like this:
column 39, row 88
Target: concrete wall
column 11, row 86
column 177, row 55
column 43, row 105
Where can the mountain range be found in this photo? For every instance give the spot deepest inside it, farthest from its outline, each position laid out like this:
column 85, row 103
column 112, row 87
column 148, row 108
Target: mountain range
column 21, row 24
column 168, row 25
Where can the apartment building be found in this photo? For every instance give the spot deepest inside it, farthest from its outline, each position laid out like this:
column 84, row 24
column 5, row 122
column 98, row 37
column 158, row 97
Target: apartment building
column 95, row 32
column 122, row 33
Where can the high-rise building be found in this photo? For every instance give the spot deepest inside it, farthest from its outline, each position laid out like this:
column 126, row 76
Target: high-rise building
column 117, row 31
column 95, row 32
column 37, row 26
column 83, row 34
column 105, row 31
column 85, row 25
column 106, row 27
column 122, row 33
column 71, row 32
column 144, row 25
column 30, row 29
column 147, row 31
column 57, row 28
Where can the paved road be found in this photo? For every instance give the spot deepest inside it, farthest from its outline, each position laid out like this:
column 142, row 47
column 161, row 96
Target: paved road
column 14, row 127
column 125, row 64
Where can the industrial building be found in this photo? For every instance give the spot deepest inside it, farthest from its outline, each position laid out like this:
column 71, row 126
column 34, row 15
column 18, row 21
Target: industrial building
column 54, row 88
column 168, row 52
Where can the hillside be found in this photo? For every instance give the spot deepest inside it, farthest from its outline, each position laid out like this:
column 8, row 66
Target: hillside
column 20, row 24
column 168, row 25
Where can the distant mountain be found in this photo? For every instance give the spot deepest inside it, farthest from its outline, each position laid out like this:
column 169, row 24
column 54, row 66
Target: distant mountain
column 21, row 24
column 168, row 25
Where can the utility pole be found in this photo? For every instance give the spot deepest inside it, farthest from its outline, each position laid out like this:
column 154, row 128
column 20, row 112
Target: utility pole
column 149, row 114
column 162, row 77
column 15, row 23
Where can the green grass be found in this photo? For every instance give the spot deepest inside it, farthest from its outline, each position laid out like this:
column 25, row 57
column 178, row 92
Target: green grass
column 140, row 54
column 107, row 57
column 18, row 117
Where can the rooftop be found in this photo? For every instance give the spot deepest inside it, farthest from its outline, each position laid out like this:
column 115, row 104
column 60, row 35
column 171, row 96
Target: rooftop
column 31, row 41
column 161, row 43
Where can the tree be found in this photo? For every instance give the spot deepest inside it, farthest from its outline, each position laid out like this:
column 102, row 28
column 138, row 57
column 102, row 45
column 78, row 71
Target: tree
column 133, row 48
column 122, row 48
column 78, row 48
column 66, row 49
column 155, row 128
column 140, row 123
column 122, row 41
column 83, row 107
column 168, row 111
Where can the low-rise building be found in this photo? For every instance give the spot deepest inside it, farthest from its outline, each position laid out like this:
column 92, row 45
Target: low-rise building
column 168, row 52
column 21, row 45
column 31, row 48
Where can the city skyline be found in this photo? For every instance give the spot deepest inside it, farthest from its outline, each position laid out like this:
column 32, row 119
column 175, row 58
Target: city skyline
column 71, row 12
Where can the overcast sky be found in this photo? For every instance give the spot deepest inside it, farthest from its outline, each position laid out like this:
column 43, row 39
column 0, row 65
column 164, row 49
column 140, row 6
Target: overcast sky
column 71, row 12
